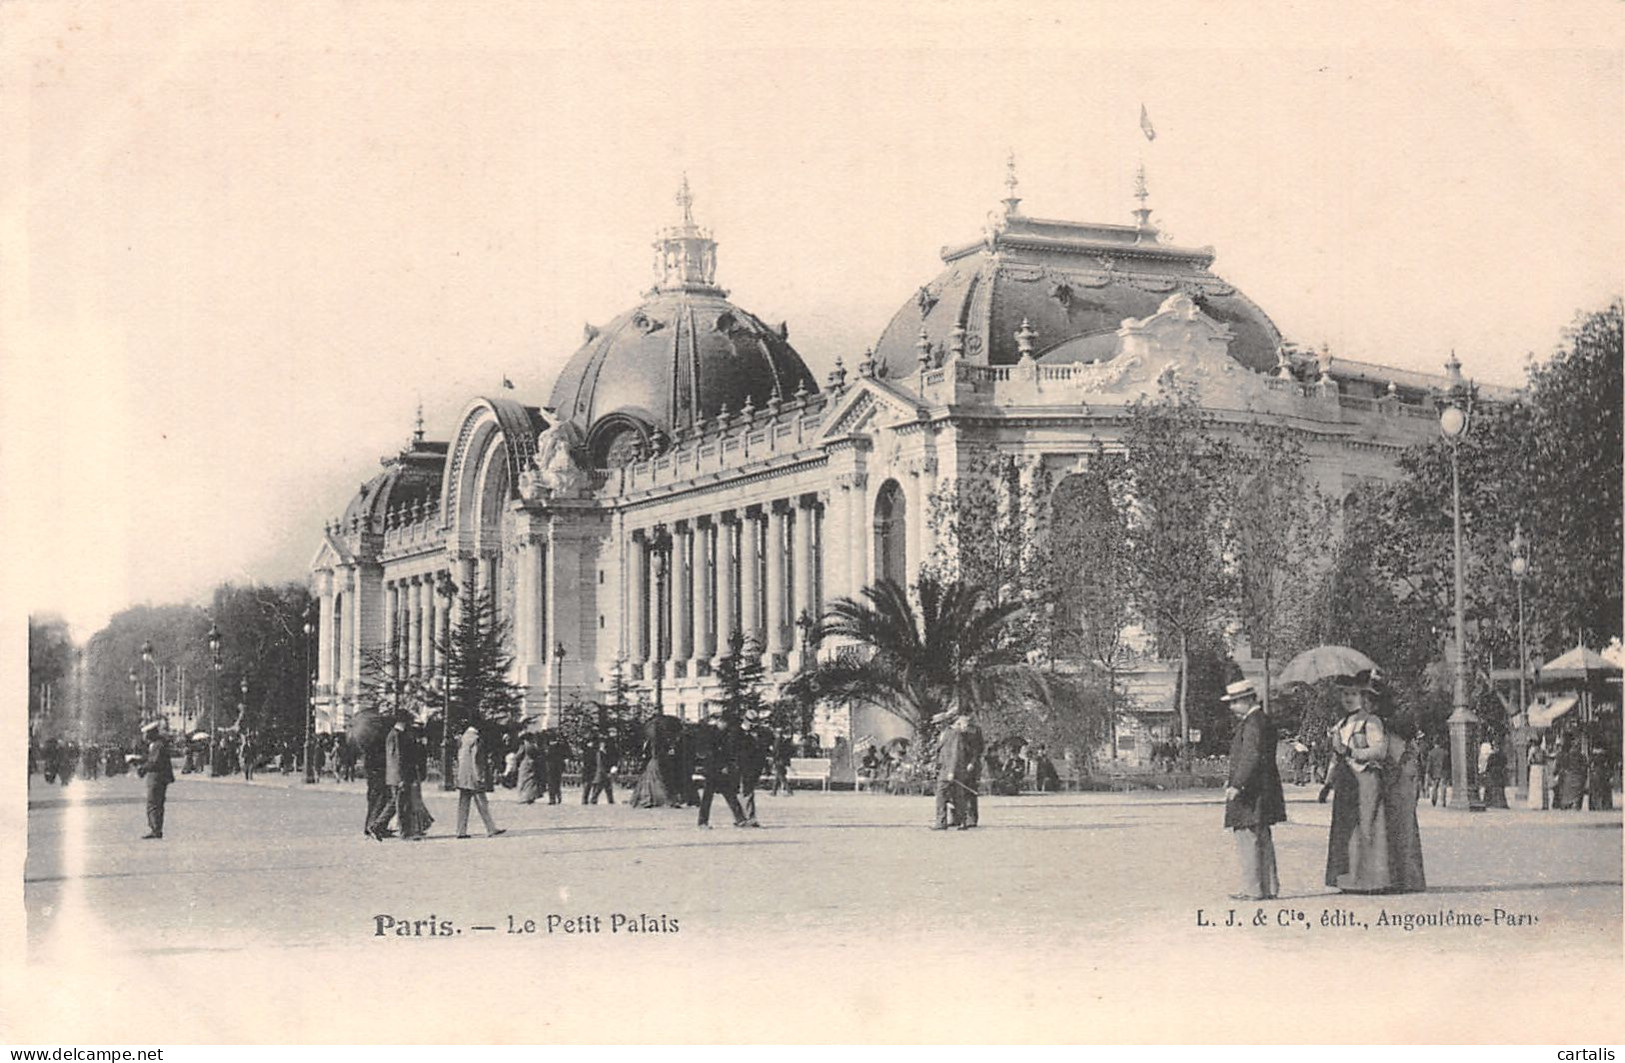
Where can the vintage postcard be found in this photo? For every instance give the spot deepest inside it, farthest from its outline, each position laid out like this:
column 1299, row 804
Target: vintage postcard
column 799, row 523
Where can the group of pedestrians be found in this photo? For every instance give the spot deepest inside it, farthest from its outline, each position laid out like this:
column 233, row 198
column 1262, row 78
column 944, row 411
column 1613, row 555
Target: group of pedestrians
column 1375, row 779
column 395, row 784
column 730, row 751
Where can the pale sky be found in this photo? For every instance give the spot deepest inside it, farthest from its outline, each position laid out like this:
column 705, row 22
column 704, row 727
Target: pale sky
column 242, row 242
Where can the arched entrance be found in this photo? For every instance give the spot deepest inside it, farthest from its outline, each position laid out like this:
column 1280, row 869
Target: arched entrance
column 891, row 534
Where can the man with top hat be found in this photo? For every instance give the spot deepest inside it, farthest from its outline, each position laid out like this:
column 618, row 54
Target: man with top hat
column 722, row 762
column 159, row 773
column 1253, row 800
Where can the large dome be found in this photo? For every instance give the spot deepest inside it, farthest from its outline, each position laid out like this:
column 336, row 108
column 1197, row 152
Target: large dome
column 683, row 354
column 1073, row 284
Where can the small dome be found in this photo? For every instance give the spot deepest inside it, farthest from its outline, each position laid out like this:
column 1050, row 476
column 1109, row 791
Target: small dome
column 410, row 479
column 683, row 354
column 1073, row 284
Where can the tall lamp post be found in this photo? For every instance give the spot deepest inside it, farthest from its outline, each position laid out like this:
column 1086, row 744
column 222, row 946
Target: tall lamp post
column 1520, row 569
column 310, row 704
column 140, row 693
column 214, row 717
column 156, row 709
column 556, row 701
column 659, row 543
column 1463, row 757
column 446, row 589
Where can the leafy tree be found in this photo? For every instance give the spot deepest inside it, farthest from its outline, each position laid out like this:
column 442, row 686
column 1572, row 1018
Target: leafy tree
column 1282, row 537
column 1094, row 584
column 1174, row 493
column 52, row 658
column 740, row 677
column 991, row 526
column 478, row 664
column 1575, row 403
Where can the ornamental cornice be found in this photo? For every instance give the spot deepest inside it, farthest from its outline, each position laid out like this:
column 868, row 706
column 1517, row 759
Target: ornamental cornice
column 648, row 498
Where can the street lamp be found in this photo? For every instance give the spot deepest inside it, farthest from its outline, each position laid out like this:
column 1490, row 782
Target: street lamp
column 659, row 543
column 310, row 704
column 1453, row 426
column 146, row 657
column 140, row 693
column 556, row 701
column 1520, row 569
column 214, row 717
column 448, row 755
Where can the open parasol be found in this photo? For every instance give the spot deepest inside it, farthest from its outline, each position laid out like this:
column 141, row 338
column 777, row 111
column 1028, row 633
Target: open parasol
column 1579, row 663
column 1323, row 662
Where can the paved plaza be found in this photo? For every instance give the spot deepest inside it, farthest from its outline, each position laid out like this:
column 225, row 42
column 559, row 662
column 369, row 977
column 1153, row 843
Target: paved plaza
column 1092, row 916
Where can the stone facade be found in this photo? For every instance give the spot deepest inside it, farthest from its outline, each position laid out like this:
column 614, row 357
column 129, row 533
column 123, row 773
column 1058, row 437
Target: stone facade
column 629, row 528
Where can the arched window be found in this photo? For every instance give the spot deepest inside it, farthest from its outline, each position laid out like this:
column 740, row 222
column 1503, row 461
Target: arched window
column 891, row 534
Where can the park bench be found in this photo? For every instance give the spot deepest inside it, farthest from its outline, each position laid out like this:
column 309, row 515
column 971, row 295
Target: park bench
column 811, row 768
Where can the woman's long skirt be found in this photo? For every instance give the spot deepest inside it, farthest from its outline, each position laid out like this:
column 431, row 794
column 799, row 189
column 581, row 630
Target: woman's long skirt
column 1368, row 870
column 529, row 786
column 1401, row 784
column 650, row 792
column 1537, row 787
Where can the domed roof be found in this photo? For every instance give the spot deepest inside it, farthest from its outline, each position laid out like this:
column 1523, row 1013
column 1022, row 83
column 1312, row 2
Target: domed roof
column 410, row 479
column 682, row 354
column 1073, row 284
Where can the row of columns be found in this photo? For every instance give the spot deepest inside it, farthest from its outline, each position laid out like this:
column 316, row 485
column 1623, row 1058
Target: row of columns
column 415, row 614
column 754, row 570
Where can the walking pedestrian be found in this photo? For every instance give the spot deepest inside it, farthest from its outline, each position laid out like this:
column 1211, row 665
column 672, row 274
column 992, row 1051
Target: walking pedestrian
column 249, row 753
column 380, row 799
column 752, row 761
column 1537, row 776
column 473, row 781
column 159, row 773
column 554, row 753
column 1253, row 801
column 722, row 770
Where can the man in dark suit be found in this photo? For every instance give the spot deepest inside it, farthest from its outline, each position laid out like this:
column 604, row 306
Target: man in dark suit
column 553, row 756
column 752, row 761
column 1253, row 800
column 380, row 799
column 159, row 773
column 722, row 770
column 598, row 758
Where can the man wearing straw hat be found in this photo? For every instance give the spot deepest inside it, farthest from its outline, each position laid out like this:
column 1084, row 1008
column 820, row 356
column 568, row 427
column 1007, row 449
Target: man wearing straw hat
column 1253, row 800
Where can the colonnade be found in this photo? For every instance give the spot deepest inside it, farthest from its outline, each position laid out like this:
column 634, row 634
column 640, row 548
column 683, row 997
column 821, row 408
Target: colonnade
column 692, row 582
column 415, row 616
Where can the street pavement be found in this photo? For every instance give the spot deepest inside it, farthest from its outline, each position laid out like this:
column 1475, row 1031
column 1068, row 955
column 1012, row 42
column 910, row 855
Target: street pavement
column 1081, row 916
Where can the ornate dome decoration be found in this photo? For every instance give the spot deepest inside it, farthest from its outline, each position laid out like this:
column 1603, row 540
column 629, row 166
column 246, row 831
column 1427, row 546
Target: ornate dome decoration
column 676, row 359
column 1073, row 283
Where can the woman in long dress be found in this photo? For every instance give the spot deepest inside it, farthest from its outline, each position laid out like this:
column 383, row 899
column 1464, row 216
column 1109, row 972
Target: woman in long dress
column 1571, row 776
column 1401, row 787
column 1361, row 744
column 650, row 792
column 529, row 782
column 1537, row 776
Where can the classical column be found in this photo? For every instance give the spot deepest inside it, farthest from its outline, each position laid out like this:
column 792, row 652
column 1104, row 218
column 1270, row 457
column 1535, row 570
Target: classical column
column 637, row 599
column 392, row 599
column 859, row 529
column 750, row 578
column 431, row 612
column 806, row 578
column 726, row 620
column 776, row 576
column 655, row 612
column 700, row 621
column 414, row 626
column 682, row 588
column 324, row 653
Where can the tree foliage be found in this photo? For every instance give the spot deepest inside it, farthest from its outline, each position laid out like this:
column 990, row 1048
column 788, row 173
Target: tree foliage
column 477, row 664
column 1175, row 490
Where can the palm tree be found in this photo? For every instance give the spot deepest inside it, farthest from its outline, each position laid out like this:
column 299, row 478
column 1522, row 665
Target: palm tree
column 954, row 653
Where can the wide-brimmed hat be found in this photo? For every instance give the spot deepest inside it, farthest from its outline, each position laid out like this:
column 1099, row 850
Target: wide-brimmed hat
column 151, row 725
column 1368, row 680
column 1241, row 688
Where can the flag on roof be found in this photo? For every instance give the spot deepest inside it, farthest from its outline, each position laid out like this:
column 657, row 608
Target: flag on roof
column 1145, row 124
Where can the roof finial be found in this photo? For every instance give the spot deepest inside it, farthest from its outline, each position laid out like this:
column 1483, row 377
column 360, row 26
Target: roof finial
column 1011, row 200
column 685, row 199
column 1143, row 213
column 417, row 431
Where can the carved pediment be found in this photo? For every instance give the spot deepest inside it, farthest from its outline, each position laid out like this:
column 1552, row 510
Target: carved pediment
column 867, row 407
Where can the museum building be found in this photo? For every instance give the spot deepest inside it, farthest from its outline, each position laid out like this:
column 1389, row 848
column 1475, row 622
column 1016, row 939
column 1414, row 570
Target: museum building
column 688, row 476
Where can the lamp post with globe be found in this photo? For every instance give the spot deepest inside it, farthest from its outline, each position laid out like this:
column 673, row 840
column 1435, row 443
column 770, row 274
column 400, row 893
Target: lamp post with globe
column 446, row 589
column 310, row 704
column 1520, row 569
column 1453, row 420
column 659, row 544
column 214, row 717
